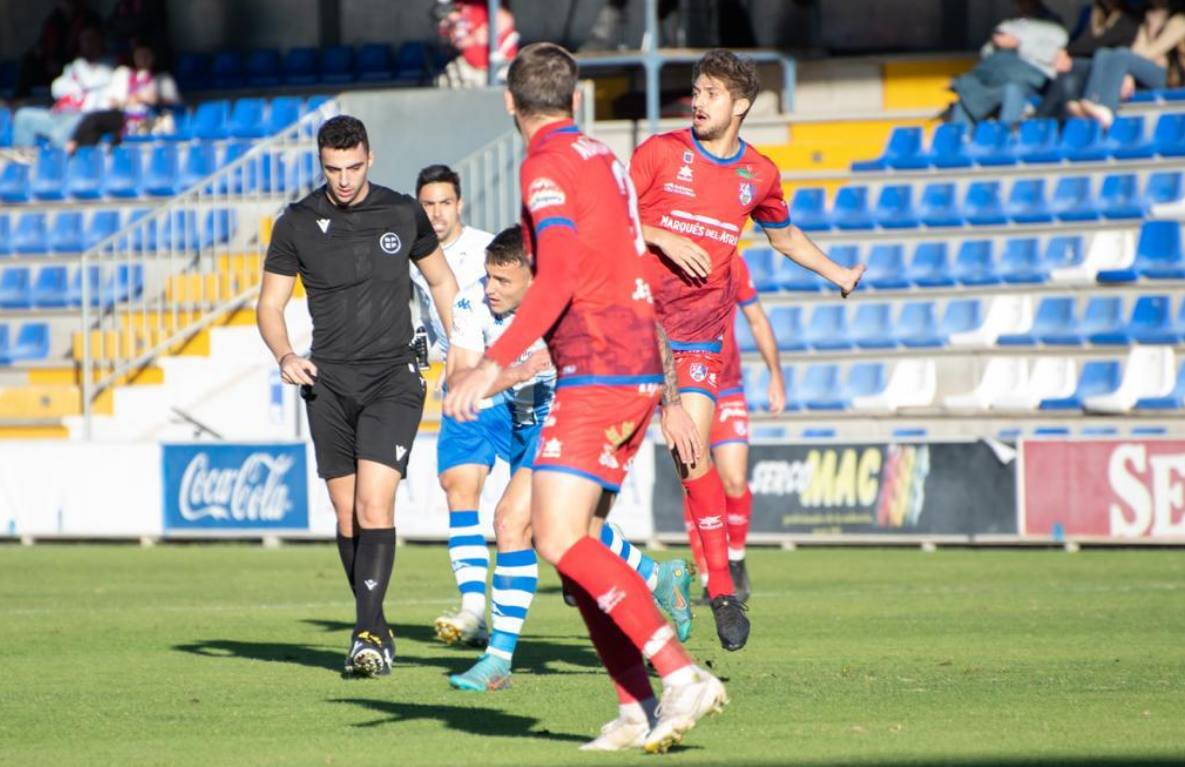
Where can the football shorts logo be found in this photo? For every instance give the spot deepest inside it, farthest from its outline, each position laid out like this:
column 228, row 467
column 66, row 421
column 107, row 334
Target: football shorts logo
column 544, row 193
column 741, row 428
column 698, row 372
column 746, row 193
column 390, row 243
column 617, row 435
column 551, row 448
column 642, row 291
column 607, row 459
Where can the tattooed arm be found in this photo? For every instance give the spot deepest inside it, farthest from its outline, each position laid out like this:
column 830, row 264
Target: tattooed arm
column 678, row 430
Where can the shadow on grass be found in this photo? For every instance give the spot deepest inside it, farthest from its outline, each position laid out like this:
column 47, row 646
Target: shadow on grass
column 475, row 721
column 275, row 652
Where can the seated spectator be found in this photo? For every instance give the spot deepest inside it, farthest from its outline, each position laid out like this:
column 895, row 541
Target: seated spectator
column 465, row 25
column 1015, row 65
column 1146, row 63
column 1107, row 24
column 81, row 88
column 57, row 44
column 135, row 96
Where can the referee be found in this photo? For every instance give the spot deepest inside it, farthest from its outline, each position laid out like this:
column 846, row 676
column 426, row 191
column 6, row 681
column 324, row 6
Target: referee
column 352, row 242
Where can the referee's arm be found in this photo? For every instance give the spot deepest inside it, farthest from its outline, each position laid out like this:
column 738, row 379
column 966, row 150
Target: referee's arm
column 442, row 284
column 274, row 294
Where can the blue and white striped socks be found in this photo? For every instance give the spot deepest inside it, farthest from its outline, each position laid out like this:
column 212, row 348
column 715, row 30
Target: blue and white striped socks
column 516, row 575
column 470, row 559
column 612, row 537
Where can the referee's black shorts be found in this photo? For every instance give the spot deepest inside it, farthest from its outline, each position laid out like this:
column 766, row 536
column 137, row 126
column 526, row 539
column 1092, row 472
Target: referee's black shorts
column 365, row 411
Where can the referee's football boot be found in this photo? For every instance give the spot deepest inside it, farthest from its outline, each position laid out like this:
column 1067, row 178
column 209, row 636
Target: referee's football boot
column 732, row 625
column 462, row 627
column 681, row 707
column 673, row 594
column 489, row 673
column 740, row 579
column 369, row 656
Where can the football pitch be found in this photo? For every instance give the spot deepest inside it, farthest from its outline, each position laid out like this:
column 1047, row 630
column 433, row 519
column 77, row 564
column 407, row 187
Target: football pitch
column 231, row 654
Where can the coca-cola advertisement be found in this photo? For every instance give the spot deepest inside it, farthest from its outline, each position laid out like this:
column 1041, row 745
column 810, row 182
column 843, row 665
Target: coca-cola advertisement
column 214, row 486
column 1112, row 489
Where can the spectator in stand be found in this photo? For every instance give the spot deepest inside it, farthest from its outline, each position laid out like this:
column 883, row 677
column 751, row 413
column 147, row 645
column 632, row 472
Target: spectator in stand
column 1105, row 24
column 1015, row 66
column 80, row 89
column 1153, row 61
column 135, row 97
column 57, row 43
column 465, row 25
column 140, row 22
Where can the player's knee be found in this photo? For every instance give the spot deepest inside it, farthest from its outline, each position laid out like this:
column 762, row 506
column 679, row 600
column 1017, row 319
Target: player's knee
column 512, row 527
column 461, row 491
column 373, row 511
column 734, row 485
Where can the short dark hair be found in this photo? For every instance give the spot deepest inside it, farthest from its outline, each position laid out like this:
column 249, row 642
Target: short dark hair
column 507, row 248
column 438, row 174
column 542, row 80
column 342, row 132
column 738, row 75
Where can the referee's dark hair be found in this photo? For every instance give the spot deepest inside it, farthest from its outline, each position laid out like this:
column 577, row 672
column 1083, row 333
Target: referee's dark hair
column 738, row 75
column 438, row 174
column 542, row 80
column 342, row 132
column 507, row 248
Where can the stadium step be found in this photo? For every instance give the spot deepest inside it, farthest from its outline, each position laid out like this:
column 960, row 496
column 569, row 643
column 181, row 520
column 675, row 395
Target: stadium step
column 25, row 403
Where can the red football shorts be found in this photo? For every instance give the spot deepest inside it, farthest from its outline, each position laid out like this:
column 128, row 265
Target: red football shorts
column 699, row 372
column 731, row 423
column 595, row 431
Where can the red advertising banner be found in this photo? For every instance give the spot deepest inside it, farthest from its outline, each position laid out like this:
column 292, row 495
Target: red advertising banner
column 1118, row 489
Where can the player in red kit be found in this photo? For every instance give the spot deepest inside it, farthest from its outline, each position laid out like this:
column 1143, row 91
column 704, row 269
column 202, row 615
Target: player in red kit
column 590, row 301
column 696, row 189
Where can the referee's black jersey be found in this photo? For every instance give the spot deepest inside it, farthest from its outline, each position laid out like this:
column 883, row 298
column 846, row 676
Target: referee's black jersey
column 354, row 263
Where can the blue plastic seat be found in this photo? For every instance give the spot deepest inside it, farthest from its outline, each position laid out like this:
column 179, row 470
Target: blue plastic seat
column 84, row 174
column 246, row 119
column 211, row 120
column 851, row 208
column 1169, row 136
column 982, row 205
column 5, row 127
column 102, row 225
column 5, row 235
column 886, row 267
column 1174, row 400
column 872, row 327
column 49, row 289
column 200, row 161
column 1120, row 198
column 14, row 183
column 1026, row 202
column 743, row 334
column 49, row 175
column 31, row 235
column 961, row 316
column 1103, row 322
column 337, row 64
column 123, row 176
column 828, row 328
column 820, row 388
column 262, row 68
column 1082, row 140
column 789, row 388
column 947, row 147
column 282, row 112
column 374, row 63
column 226, row 70
column 162, row 178
column 755, row 379
column 917, row 327
column 1037, row 141
column 97, row 293
column 1054, row 320
column 808, row 210
column 1098, row 377
column 1021, row 263
column 217, row 227
column 66, row 236
column 192, row 71
column 939, row 205
column 31, row 344
column 894, row 207
column 129, row 281
column 786, row 323
column 864, row 379
column 1072, row 199
column 1152, row 321
column 759, row 262
column 788, row 275
column 903, row 151
column 1125, row 140
column 14, row 288
column 991, row 144
column 300, row 66
column 1158, row 255
column 1063, row 250
column 930, row 267
column 1163, row 188
column 413, row 63
column 974, row 265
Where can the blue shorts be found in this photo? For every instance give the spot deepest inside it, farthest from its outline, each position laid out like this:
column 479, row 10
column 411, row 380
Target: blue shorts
column 492, row 436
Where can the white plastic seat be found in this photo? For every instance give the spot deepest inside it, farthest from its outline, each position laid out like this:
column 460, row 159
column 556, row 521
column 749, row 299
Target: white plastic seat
column 1151, row 371
column 1106, row 251
column 1050, row 378
column 913, row 383
column 1001, row 376
column 1006, row 315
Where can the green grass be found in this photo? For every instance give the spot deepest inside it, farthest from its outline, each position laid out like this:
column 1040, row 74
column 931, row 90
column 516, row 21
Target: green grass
column 231, row 655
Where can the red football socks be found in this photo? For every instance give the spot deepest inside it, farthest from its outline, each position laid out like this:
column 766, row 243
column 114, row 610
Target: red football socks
column 621, row 659
column 693, row 540
column 739, row 513
column 706, row 501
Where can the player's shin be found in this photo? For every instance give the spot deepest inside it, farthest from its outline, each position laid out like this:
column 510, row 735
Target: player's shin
column 739, row 513
column 516, row 575
column 706, row 502
column 646, row 567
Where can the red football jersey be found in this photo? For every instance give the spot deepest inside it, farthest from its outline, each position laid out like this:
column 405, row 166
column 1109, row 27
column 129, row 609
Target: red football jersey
column 685, row 190
column 589, row 298
column 730, row 375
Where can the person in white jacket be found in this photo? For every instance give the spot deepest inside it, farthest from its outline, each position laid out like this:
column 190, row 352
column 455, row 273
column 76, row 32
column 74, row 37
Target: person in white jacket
column 81, row 88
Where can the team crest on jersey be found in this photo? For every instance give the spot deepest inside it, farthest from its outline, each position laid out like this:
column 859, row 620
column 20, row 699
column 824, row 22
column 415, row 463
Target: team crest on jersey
column 544, row 193
column 698, row 372
column 746, row 193
column 390, row 243
column 688, row 156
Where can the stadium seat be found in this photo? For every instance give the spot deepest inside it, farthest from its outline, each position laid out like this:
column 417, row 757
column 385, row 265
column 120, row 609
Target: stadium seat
column 300, row 66
column 939, row 205
column 850, row 210
column 827, row 329
column 1103, row 322
column 66, row 235
column 84, row 174
column 1174, row 400
column 759, row 262
column 5, row 235
column 97, row 292
column 49, row 289
column 337, row 64
column 1152, row 321
column 31, row 344
column 15, row 288
column 32, row 234
column 917, row 326
column 163, row 176
column 755, row 379
column 872, row 327
column 1050, row 378
column 1001, row 376
column 1125, row 140
column 991, row 144
column 864, row 380
column 374, row 63
column 1082, row 141
column 129, row 281
column 961, row 316
column 974, row 265
column 912, row 383
column 930, row 267
column 1007, row 314
column 820, row 388
column 947, row 148
column 886, row 267
column 786, row 322
column 1158, row 254
column 282, row 112
column 894, row 207
column 1168, row 138
column 103, row 224
column 1072, row 199
column 1099, row 377
column 1021, row 263
column 123, row 176
column 226, row 70
column 414, row 64
column 808, row 210
column 1026, row 202
column 1054, row 324
column 1062, row 251
column 788, row 275
column 49, row 174
column 200, row 161
column 262, row 68
column 14, row 183
column 1106, row 252
column 982, row 205
column 192, row 71
column 1164, row 194
column 217, row 227
column 1120, row 198
column 1037, row 141
column 211, row 120
column 743, row 335
column 5, row 127
column 903, row 151
column 246, row 119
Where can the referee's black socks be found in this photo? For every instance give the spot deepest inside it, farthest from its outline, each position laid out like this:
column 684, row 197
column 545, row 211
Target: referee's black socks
column 373, row 561
column 346, row 549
